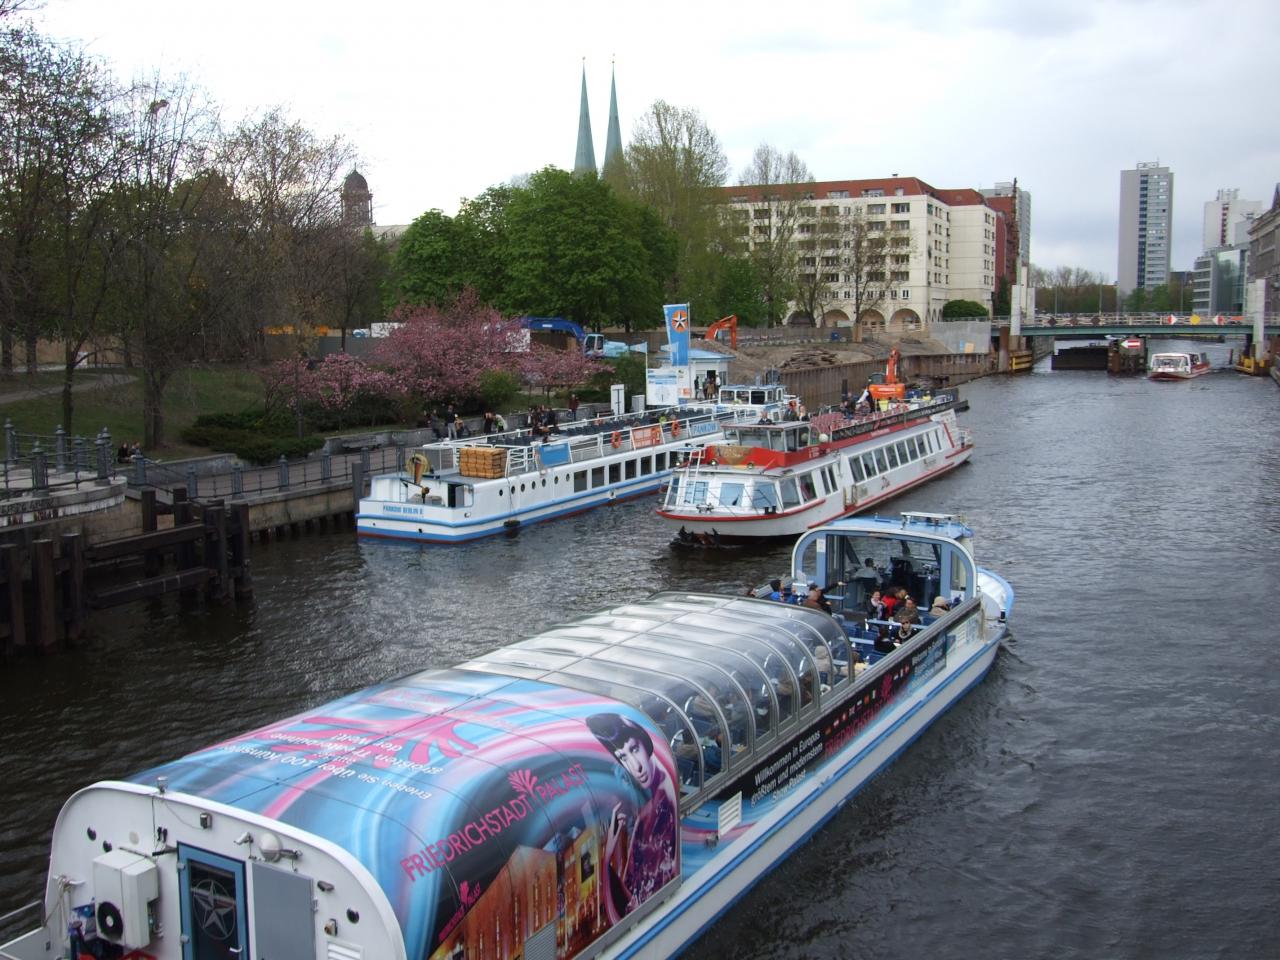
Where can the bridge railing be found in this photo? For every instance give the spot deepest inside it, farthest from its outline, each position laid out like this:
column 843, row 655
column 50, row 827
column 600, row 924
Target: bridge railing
column 1135, row 319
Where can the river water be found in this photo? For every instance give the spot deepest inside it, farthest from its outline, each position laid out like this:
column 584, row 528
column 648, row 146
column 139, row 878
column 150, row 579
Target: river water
column 1111, row 790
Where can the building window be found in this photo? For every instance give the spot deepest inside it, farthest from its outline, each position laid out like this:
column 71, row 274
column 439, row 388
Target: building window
column 902, row 207
column 875, row 208
column 873, row 192
column 906, row 294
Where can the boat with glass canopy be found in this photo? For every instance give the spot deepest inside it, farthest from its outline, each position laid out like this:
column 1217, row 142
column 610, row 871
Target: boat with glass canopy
column 604, row 788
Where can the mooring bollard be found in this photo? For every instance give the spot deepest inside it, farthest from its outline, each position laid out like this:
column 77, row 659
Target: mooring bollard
column 139, row 470
column 103, row 445
column 60, row 450
column 284, row 472
column 39, row 468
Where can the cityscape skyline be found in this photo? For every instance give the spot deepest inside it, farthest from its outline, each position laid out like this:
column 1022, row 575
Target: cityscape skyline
column 435, row 127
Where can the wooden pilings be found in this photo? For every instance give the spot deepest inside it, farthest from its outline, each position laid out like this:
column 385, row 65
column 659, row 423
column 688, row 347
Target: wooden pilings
column 45, row 595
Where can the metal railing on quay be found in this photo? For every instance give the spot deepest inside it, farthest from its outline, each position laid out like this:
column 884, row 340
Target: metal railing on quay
column 37, row 463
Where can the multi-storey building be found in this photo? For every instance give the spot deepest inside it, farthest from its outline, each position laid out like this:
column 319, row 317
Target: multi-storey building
column 1015, row 203
column 1146, row 226
column 1226, row 219
column 938, row 245
column 1264, row 254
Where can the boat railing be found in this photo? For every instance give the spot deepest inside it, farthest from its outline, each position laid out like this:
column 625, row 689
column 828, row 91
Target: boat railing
column 586, row 441
column 15, row 923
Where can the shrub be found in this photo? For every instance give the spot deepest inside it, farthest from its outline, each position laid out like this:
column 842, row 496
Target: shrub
column 963, row 309
column 497, row 389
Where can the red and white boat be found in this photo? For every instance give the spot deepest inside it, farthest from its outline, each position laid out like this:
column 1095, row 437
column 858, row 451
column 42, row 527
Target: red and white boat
column 781, row 479
column 1177, row 366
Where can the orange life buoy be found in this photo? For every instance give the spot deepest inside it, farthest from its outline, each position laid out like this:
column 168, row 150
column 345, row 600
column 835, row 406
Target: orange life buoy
column 617, row 439
column 675, row 429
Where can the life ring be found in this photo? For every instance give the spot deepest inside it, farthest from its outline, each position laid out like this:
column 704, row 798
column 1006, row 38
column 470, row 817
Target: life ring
column 616, row 440
column 675, row 429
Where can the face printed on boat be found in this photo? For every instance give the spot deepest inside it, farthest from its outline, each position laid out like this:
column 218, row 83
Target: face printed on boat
column 635, row 759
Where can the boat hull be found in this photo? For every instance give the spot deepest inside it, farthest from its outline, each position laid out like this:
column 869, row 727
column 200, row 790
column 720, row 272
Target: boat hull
column 1173, row 377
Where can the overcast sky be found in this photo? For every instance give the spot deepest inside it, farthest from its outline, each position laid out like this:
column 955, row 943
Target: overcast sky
column 445, row 100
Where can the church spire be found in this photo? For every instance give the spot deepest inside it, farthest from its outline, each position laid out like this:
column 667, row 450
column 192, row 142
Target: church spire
column 585, row 159
column 613, row 141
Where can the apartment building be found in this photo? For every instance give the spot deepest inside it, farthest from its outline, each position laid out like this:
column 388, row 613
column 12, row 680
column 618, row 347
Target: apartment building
column 1146, row 227
column 938, row 245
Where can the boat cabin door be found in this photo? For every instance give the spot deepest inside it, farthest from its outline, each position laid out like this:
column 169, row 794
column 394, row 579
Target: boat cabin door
column 212, row 893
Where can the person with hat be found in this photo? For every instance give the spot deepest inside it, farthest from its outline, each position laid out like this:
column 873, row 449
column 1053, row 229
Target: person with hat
column 907, row 611
column 940, row 607
column 816, row 600
column 775, row 590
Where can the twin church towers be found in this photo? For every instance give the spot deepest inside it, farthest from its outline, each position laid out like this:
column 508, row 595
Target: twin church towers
column 584, row 160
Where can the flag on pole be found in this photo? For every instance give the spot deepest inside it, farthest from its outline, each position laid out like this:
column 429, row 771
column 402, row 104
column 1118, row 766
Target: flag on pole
column 678, row 332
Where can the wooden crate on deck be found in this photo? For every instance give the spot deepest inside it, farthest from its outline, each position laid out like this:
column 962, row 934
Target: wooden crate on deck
column 485, row 463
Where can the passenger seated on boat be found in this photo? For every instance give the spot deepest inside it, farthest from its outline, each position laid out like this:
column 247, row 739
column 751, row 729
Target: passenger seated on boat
column 906, row 630
column 940, row 607
column 875, row 606
column 908, row 612
column 868, row 571
column 883, row 642
column 816, row 600
column 787, row 596
column 775, row 586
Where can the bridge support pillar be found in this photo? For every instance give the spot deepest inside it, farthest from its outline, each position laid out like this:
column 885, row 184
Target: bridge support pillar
column 1002, row 363
column 1256, row 297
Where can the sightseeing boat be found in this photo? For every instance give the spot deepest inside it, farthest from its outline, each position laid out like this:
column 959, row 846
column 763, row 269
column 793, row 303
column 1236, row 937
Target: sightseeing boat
column 463, row 489
column 780, row 479
column 606, row 788
column 1177, row 366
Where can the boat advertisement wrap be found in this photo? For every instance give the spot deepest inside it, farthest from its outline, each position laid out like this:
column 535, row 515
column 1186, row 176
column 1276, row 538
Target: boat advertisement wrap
column 768, row 785
column 488, row 809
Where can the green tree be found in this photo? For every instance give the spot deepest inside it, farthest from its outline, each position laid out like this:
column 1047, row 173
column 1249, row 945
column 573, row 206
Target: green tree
column 963, row 310
column 430, row 262
column 676, row 167
column 576, row 249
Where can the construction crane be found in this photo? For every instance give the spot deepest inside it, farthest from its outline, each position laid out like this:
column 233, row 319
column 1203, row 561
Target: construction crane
column 729, row 323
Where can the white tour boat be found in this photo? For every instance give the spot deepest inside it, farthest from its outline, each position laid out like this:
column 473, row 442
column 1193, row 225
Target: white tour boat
column 780, row 479
column 606, row 788
column 462, row 489
column 1177, row 366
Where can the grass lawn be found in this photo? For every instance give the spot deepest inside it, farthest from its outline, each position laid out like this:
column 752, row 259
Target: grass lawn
column 118, row 407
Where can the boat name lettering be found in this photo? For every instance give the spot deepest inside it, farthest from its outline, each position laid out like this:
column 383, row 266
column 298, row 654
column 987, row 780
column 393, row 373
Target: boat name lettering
column 396, row 508
column 433, row 856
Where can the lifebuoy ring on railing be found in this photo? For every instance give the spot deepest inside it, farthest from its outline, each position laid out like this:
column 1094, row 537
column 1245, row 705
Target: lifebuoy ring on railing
column 675, row 429
column 616, row 440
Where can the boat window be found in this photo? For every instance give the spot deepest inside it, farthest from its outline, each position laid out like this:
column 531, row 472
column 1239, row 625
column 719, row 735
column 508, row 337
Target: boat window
column 790, row 494
column 765, row 659
column 892, row 451
column 615, row 472
column 646, row 466
column 778, row 441
column 580, row 481
column 807, row 488
column 631, row 470
column 731, row 494
column 597, row 477
column 913, row 448
column 831, row 479
column 566, row 645
column 758, row 397
column 881, row 461
column 718, row 711
column 959, row 577
column 764, row 495
column 747, row 687
column 673, row 491
column 673, row 690
column 695, row 493
column 660, row 462
column 902, row 452
column 855, row 467
column 869, row 465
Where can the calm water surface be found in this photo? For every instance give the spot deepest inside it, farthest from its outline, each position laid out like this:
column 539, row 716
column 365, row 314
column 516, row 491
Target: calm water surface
column 1111, row 790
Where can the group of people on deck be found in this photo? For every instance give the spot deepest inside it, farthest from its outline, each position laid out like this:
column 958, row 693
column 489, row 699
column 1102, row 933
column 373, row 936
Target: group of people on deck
column 813, row 596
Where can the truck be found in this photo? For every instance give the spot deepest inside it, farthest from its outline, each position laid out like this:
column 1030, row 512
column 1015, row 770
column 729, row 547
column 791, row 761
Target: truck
column 592, row 344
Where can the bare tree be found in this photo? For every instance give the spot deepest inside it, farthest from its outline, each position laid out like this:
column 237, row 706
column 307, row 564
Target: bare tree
column 164, row 244
column 785, row 196
column 290, row 180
